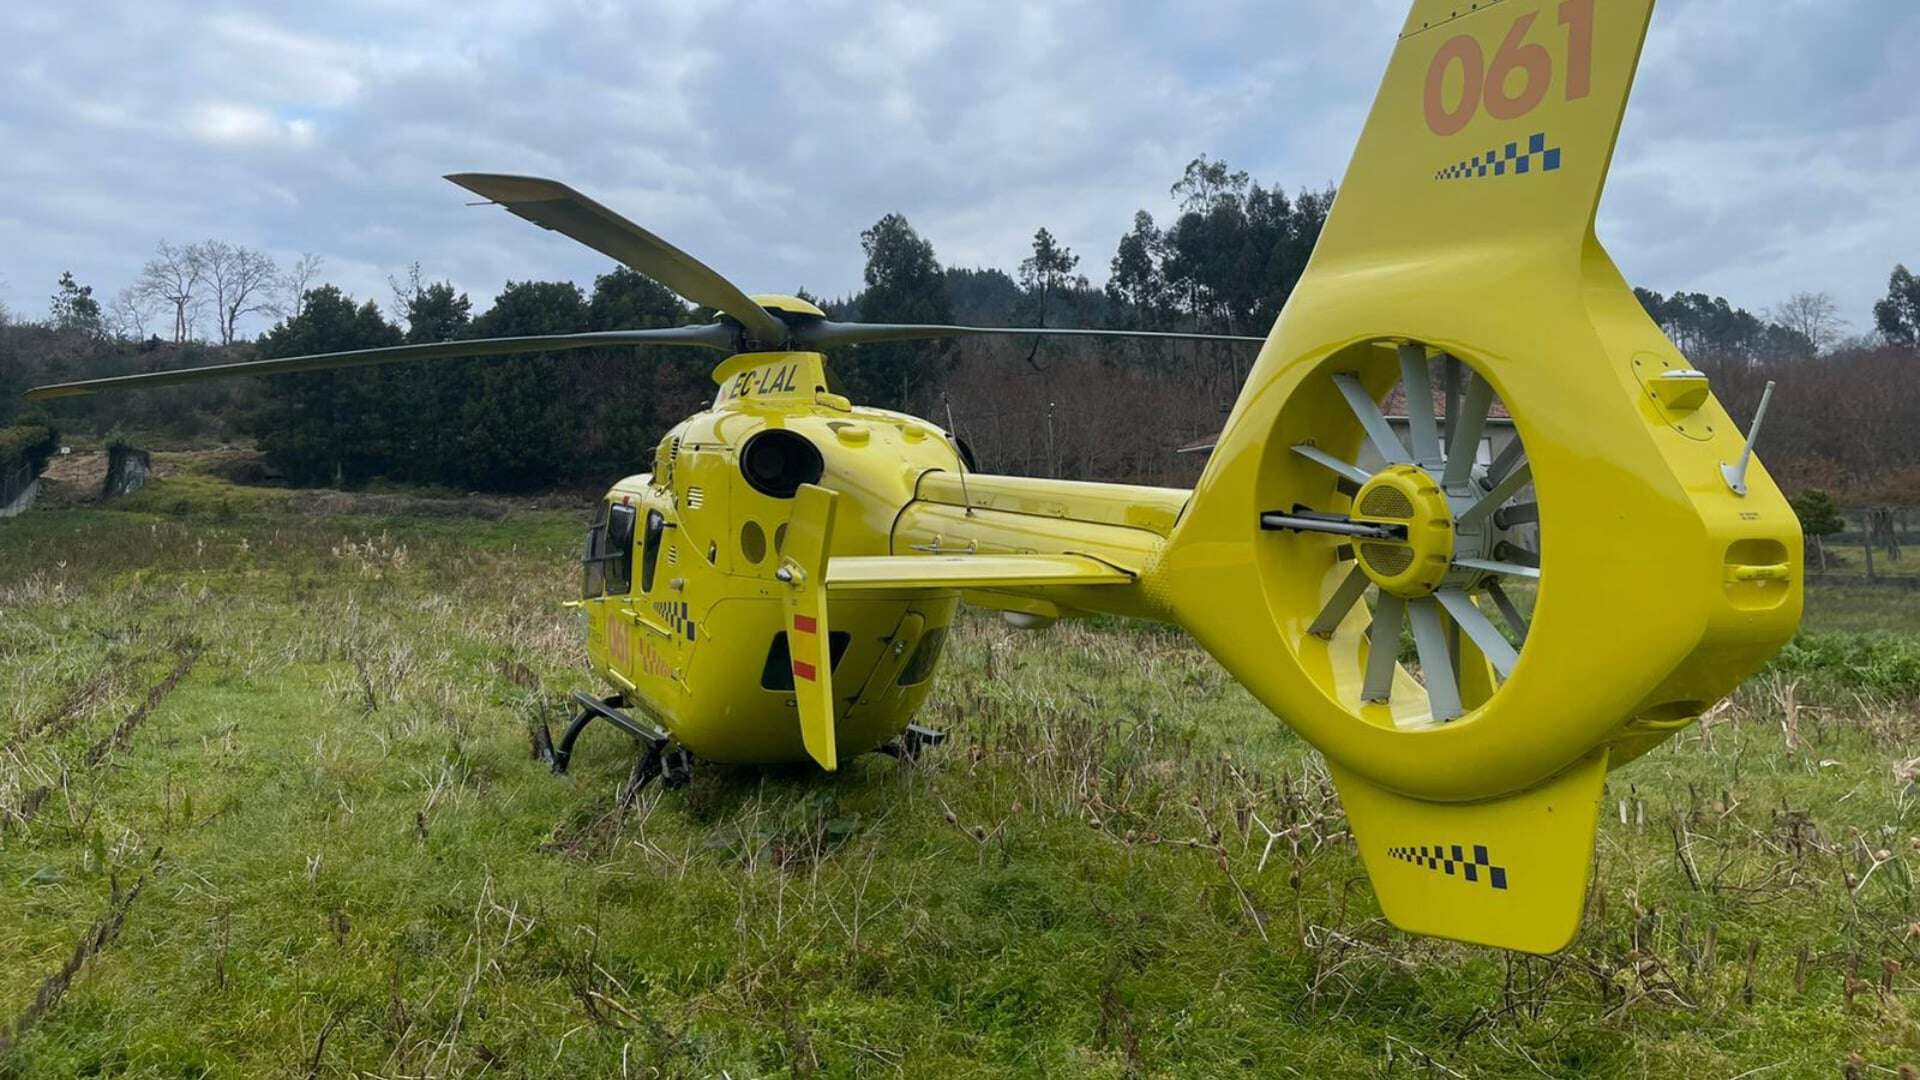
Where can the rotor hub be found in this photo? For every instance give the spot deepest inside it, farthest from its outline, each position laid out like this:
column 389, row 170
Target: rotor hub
column 1407, row 500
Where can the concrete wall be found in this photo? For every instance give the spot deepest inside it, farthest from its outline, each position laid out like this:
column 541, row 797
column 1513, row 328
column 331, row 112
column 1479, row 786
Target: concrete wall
column 23, row 501
column 127, row 471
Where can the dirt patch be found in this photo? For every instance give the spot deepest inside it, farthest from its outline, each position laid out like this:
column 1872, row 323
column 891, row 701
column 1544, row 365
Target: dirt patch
column 98, row 936
column 187, row 654
column 57, row 719
column 73, row 480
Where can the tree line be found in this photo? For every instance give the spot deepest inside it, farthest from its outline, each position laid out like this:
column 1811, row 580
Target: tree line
column 1225, row 260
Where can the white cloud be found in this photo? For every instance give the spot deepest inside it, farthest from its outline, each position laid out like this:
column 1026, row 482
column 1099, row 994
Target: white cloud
column 1762, row 156
column 225, row 122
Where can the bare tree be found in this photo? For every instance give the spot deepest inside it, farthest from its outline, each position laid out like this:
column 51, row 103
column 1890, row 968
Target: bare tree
column 128, row 314
column 242, row 280
column 295, row 283
column 1813, row 315
column 174, row 277
column 406, row 292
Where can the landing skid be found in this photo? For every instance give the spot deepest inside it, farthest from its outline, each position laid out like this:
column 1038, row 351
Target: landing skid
column 659, row 758
column 912, row 742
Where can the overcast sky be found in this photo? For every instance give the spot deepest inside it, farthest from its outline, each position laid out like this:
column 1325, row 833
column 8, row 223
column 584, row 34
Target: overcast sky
column 1773, row 146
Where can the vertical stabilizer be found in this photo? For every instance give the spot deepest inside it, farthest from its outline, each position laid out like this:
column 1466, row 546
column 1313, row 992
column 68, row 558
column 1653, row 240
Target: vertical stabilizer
column 1491, row 122
column 803, row 568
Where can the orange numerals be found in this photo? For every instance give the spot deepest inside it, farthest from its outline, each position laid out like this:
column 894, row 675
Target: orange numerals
column 1492, row 85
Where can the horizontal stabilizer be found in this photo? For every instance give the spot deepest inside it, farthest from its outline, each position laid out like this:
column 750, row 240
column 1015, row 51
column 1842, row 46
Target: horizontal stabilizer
column 1509, row 872
column 969, row 572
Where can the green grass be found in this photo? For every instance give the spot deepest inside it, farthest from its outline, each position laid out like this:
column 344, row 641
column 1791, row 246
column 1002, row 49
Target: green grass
column 350, row 865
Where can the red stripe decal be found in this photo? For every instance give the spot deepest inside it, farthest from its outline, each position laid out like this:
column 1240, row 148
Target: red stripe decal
column 805, row 624
column 803, row 670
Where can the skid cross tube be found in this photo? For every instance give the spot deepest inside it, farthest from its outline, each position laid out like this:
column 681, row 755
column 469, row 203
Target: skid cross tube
column 912, row 742
column 608, row 709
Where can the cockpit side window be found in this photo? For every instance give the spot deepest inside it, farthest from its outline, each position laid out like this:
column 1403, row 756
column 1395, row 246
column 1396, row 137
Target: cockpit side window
column 650, row 549
column 620, row 551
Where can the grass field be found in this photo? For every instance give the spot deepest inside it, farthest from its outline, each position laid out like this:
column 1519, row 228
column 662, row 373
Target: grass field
column 267, row 809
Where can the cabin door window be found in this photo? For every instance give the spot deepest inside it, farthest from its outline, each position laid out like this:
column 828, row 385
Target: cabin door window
column 593, row 564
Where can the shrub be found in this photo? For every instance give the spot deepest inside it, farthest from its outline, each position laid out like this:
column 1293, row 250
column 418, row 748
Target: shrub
column 1880, row 663
column 30, row 444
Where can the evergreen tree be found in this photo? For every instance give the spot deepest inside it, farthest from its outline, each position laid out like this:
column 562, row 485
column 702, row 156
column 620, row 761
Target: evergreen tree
column 14, row 379
column 632, row 395
column 904, row 285
column 1135, row 285
column 436, row 313
column 329, row 426
column 515, row 429
column 626, row 300
column 982, row 296
column 1048, row 273
column 1709, row 330
column 427, row 398
column 1819, row 519
column 74, row 309
column 1228, row 262
column 1898, row 316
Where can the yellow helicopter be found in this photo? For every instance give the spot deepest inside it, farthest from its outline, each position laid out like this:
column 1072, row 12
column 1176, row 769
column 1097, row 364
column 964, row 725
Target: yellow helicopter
column 780, row 585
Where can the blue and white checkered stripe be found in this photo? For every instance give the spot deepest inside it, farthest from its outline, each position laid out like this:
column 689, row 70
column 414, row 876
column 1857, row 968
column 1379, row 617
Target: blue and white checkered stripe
column 1453, row 860
column 1507, row 160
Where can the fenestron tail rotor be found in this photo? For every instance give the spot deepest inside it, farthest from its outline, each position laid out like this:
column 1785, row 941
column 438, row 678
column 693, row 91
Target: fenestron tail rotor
column 1434, row 531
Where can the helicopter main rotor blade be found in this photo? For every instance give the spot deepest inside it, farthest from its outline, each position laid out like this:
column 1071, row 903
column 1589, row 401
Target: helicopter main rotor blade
column 826, row 334
column 706, row 335
column 553, row 205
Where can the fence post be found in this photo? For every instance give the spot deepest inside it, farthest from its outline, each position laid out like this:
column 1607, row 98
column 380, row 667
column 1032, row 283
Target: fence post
column 1867, row 536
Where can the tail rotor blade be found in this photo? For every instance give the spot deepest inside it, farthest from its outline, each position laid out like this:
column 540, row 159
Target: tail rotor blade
column 1494, row 566
column 1344, row 597
column 1421, row 421
column 1466, row 431
column 1508, row 458
column 1468, row 617
column 1493, row 500
column 1383, row 647
column 1436, row 660
column 1508, row 610
column 1367, row 411
column 1327, row 461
